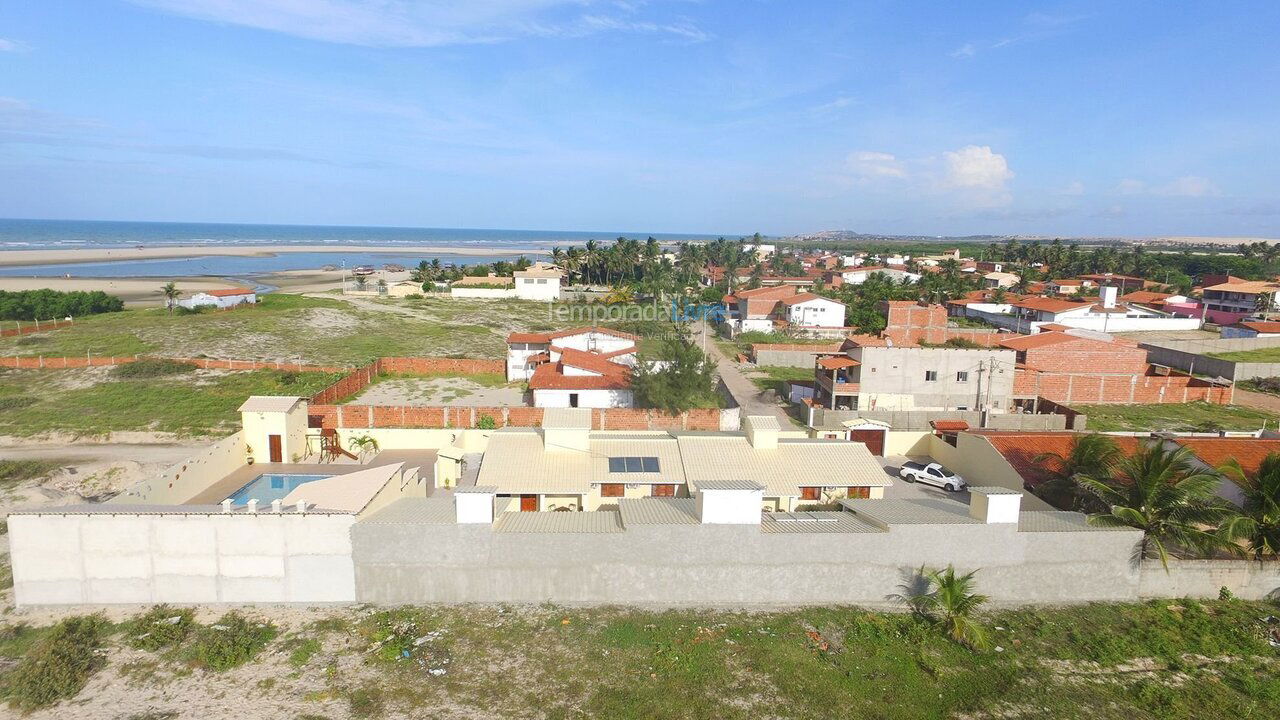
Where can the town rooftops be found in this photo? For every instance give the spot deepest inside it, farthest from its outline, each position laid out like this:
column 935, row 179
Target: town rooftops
column 1260, row 326
column 230, row 292
column 951, row 426
column 835, row 362
column 1247, row 287
column 1052, row 305
column 269, row 403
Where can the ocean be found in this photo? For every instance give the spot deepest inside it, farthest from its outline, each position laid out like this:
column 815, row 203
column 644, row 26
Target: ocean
column 71, row 234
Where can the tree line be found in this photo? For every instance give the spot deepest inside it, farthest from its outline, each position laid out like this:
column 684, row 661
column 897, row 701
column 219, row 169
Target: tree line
column 55, row 304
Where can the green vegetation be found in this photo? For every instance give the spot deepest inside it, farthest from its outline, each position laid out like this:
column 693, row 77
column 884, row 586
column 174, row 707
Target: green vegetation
column 1195, row 416
column 231, row 641
column 55, row 305
column 151, row 368
column 58, row 664
column 161, row 628
column 776, row 377
column 13, row 472
column 949, row 600
column 1269, row 385
column 1142, row 661
column 1261, row 355
column 1258, row 524
column 81, row 401
column 687, row 379
column 482, row 379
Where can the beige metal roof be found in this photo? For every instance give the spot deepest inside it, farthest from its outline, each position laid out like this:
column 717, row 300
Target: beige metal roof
column 567, row 418
column 730, row 484
column 269, row 403
column 928, row 511
column 596, row 522
column 658, row 511
column 1059, row 521
column 794, row 463
column 762, row 422
column 660, row 445
column 416, row 511
column 516, row 462
column 139, row 509
column 350, row 492
column 816, row 522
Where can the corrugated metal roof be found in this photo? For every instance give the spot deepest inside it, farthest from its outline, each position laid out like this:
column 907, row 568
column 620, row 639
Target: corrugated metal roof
column 490, row 489
column 269, row 403
column 588, row 523
column 136, row 509
column 566, row 418
column 816, row 522
column 995, row 490
column 730, row 484
column 516, row 462
column 416, row 511
column 912, row 512
column 658, row 511
column 795, row 462
column 659, row 445
column 1058, row 521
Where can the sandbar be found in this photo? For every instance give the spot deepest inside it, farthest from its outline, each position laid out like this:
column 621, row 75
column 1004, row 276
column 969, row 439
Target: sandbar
column 9, row 258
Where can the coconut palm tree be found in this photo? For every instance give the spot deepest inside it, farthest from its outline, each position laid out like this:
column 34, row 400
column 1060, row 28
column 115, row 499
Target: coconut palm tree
column 1159, row 491
column 171, row 294
column 949, row 599
column 1259, row 523
column 1092, row 455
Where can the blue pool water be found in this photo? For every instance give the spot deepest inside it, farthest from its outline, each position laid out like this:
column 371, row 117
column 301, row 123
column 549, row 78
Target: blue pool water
column 268, row 487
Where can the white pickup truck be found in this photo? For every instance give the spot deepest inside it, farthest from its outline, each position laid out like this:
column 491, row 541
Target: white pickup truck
column 931, row 474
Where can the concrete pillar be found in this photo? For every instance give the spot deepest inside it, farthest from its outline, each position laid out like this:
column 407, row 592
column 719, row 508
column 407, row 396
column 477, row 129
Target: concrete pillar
column 994, row 505
column 474, row 505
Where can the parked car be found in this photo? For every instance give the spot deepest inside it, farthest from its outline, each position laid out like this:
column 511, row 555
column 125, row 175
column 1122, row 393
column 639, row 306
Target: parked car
column 931, row 474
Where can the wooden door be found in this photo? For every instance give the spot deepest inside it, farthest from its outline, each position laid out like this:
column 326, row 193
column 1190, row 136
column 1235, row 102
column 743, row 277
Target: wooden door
column 873, row 439
column 528, row 503
column 273, row 447
column 858, row 492
column 810, row 493
column 664, row 491
column 612, row 490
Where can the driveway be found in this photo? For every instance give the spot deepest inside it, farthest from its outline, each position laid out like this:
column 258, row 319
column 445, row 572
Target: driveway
column 902, row 490
column 744, row 392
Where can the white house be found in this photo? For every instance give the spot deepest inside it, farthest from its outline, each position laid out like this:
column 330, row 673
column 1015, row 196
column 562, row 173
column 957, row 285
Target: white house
column 1104, row 315
column 526, row 351
column 220, row 298
column 579, row 379
column 996, row 279
column 807, row 310
column 540, row 282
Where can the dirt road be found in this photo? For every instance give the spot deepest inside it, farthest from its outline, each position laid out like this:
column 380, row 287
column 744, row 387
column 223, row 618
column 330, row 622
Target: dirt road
column 744, row 392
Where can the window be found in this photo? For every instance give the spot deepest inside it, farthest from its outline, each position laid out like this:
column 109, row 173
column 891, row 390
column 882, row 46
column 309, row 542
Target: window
column 810, row 493
column 663, row 491
column 612, row 490
column 542, row 281
column 858, row 492
column 962, row 376
column 633, row 464
column 930, row 375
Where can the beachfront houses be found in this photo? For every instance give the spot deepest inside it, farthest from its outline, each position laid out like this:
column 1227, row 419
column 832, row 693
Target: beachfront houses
column 221, row 299
column 539, row 282
column 583, row 367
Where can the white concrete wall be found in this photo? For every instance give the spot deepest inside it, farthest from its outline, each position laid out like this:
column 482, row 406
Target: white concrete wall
column 541, row 289
column 816, row 313
column 1126, row 324
column 586, row 398
column 183, row 481
column 598, row 342
column 482, row 293
column 102, row 558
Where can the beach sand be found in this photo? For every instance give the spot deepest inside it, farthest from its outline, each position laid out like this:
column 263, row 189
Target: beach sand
column 146, row 290
column 49, row 257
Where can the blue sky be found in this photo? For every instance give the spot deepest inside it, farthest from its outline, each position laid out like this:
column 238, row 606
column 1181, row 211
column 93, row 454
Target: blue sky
column 1129, row 118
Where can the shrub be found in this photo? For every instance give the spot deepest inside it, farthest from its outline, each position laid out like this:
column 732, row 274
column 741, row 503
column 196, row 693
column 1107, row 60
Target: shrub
column 367, row 702
column 232, row 641
column 160, row 628
column 58, row 664
column 15, row 402
column 52, row 304
column 487, row 422
column 182, row 310
column 150, row 368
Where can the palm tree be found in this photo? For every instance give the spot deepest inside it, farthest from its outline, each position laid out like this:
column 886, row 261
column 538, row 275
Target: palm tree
column 1091, row 456
column 171, row 294
column 1159, row 491
column 949, row 599
column 1259, row 524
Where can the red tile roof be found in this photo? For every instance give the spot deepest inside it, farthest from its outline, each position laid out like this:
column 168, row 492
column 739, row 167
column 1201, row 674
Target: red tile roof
column 547, row 337
column 229, row 293
column 1039, row 340
column 591, row 362
column 1261, row 326
column 949, row 425
column 1020, row 448
column 806, row 297
column 835, row 362
column 1053, row 305
column 1146, row 297
column 550, row 376
column 1214, row 451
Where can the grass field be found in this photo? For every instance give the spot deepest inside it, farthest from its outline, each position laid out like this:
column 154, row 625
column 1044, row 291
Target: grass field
column 1195, row 416
column 1261, row 355
column 776, row 377
column 1162, row 659
column 95, row 401
column 288, row 328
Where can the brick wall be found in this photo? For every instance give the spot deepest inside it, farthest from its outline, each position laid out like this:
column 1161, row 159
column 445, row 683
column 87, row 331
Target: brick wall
column 1083, row 353
column 1118, row 389
column 408, row 416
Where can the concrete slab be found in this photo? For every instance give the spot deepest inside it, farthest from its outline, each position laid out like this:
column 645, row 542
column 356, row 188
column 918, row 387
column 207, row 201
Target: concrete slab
column 902, row 490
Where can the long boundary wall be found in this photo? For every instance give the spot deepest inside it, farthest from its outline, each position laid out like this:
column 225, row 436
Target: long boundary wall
column 183, row 481
column 1193, row 356
column 1245, row 579
column 64, row 558
column 422, row 416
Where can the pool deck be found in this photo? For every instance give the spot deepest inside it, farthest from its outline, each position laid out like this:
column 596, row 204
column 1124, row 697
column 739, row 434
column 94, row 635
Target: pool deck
column 245, row 474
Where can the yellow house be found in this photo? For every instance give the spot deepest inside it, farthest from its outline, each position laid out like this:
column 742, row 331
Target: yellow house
column 275, row 428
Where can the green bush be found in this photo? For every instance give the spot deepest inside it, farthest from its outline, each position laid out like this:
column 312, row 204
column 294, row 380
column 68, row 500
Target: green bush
column 53, row 304
column 59, row 664
column 16, row 402
column 232, row 641
column 160, row 628
column 197, row 310
column 487, row 422
column 150, row 368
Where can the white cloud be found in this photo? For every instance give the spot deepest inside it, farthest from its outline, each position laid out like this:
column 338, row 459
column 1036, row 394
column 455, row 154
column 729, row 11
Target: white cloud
column 976, row 167
column 1073, row 188
column 869, row 165
column 1187, row 186
column 964, row 52
column 399, row 23
column 7, row 45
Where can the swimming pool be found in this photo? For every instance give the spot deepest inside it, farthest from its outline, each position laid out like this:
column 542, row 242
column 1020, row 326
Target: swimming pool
column 271, row 486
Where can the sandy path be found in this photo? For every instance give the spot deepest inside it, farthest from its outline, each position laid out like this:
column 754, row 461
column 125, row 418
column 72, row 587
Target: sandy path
column 744, row 392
